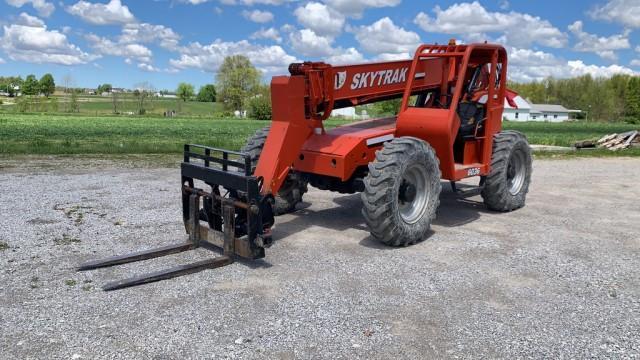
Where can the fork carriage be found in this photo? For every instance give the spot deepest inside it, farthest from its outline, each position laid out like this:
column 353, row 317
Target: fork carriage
column 236, row 224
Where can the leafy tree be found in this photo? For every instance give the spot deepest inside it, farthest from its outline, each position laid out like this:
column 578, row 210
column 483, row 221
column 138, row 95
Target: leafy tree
column 618, row 85
column 259, row 105
column 9, row 83
column 104, row 88
column 237, row 79
column 47, row 85
column 30, row 86
column 387, row 107
column 207, row 93
column 632, row 108
column 185, row 91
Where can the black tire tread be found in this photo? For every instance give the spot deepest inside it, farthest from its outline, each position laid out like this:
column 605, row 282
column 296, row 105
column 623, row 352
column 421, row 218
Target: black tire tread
column 379, row 196
column 495, row 193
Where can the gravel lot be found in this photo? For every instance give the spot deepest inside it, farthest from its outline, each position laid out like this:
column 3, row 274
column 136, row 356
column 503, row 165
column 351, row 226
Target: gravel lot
column 557, row 279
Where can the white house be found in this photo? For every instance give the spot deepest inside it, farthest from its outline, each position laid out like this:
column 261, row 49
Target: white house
column 552, row 113
column 521, row 113
column 526, row 111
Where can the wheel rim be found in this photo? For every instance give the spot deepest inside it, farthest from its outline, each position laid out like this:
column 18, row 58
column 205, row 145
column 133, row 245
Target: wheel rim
column 516, row 172
column 413, row 196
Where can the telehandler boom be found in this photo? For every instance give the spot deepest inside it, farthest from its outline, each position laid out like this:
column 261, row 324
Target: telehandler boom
column 448, row 127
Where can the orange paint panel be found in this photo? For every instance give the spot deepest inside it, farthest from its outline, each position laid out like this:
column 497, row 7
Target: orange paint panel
column 345, row 145
column 438, row 127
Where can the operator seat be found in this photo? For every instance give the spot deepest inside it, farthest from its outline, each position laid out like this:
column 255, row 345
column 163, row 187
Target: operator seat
column 471, row 110
column 471, row 114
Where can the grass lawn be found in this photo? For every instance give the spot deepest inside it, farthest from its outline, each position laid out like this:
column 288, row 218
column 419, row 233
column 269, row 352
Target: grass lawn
column 566, row 133
column 52, row 134
column 63, row 134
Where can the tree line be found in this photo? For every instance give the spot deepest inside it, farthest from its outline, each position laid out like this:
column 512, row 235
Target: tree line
column 238, row 88
column 12, row 85
column 600, row 99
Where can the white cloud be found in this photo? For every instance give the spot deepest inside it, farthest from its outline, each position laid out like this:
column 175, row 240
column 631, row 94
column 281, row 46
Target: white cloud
column 43, row 7
column 345, row 56
column 355, row 8
column 194, row 2
column 270, row 33
column 635, row 62
column 384, row 37
column 208, row 58
column 149, row 33
column 306, row 42
column 129, row 44
column 102, row 14
column 625, row 12
column 28, row 20
column 320, row 18
column 393, row 56
column 258, row 16
column 105, row 46
column 147, row 67
column 2, row 61
column 603, row 46
column 579, row 68
column 473, row 20
column 36, row 44
column 527, row 65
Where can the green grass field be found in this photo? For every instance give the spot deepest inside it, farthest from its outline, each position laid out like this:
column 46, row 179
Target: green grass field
column 125, row 104
column 52, row 134
column 63, row 134
column 566, row 133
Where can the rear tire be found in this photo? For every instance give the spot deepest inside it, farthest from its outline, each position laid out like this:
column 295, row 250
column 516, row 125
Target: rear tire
column 506, row 186
column 293, row 188
column 402, row 192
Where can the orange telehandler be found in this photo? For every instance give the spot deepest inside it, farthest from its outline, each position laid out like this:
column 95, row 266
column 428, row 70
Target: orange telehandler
column 448, row 127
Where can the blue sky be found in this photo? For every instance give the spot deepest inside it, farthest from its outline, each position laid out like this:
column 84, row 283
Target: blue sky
column 164, row 42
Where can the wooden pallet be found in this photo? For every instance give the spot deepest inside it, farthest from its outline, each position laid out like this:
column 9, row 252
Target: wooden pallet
column 616, row 142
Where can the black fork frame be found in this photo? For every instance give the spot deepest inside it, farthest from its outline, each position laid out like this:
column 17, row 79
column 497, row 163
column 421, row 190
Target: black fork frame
column 238, row 223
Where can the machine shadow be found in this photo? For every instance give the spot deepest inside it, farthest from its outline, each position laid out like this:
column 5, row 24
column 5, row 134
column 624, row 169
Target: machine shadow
column 454, row 210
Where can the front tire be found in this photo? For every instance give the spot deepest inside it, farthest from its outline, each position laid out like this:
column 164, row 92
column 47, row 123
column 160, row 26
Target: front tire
column 402, row 192
column 294, row 186
column 506, row 186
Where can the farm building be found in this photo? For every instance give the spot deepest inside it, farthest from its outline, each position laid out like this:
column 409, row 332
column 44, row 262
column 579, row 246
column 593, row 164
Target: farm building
column 525, row 111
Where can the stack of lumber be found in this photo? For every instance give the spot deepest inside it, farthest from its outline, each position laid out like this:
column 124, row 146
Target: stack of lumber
column 619, row 141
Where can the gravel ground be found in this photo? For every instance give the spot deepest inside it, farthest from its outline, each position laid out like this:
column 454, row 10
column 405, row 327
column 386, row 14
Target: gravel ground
column 557, row 279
